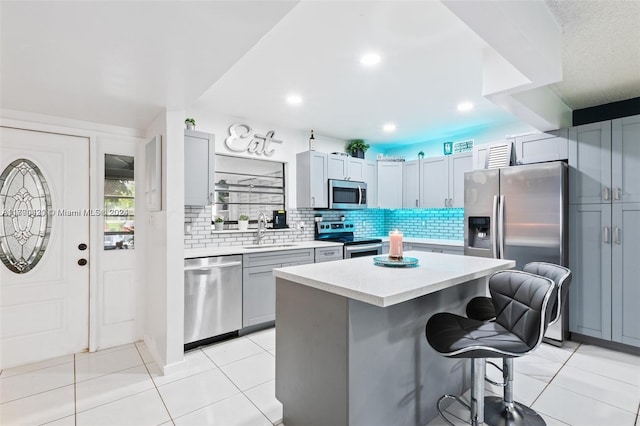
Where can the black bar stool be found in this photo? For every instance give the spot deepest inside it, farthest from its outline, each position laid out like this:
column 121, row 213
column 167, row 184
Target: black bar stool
column 506, row 411
column 522, row 302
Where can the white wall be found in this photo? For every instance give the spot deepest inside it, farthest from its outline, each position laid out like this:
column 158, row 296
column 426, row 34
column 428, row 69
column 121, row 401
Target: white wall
column 165, row 248
column 434, row 148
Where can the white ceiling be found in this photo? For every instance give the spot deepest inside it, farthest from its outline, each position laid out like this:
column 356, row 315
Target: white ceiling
column 121, row 63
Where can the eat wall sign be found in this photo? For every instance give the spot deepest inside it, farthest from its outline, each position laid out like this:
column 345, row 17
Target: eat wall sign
column 241, row 139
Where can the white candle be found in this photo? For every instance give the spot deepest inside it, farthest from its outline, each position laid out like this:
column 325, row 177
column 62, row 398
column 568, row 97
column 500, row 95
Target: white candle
column 395, row 244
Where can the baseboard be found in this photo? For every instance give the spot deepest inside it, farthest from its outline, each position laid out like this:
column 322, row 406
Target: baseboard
column 620, row 347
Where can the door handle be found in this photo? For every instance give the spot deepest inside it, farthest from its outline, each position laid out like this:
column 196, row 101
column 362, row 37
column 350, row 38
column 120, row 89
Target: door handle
column 82, row 262
column 606, row 193
column 616, row 235
column 606, row 235
column 617, row 193
column 82, row 246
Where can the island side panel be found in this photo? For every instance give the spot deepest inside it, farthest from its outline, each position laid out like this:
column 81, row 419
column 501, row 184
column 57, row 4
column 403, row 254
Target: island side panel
column 312, row 355
column 395, row 377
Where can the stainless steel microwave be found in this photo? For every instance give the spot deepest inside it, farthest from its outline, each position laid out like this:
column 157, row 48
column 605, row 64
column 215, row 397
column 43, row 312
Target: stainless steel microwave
column 347, row 194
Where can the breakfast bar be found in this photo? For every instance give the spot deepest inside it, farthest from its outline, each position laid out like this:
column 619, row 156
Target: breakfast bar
column 350, row 338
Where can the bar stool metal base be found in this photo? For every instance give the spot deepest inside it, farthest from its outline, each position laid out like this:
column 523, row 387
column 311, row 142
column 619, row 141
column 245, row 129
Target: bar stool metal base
column 497, row 414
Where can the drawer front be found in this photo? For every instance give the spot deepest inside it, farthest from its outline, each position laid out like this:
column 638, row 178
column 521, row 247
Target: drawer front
column 277, row 257
column 328, row 254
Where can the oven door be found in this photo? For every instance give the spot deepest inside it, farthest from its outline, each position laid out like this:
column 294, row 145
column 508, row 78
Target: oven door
column 360, row 250
column 346, row 194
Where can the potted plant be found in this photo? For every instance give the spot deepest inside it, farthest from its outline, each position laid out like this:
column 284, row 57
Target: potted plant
column 357, row 148
column 421, row 155
column 218, row 222
column 243, row 222
column 191, row 123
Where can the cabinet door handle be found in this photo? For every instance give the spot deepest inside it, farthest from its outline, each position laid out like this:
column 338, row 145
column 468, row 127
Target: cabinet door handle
column 450, row 202
column 606, row 193
column 313, row 201
column 617, row 193
column 616, row 235
column 445, row 202
column 416, row 203
column 606, row 235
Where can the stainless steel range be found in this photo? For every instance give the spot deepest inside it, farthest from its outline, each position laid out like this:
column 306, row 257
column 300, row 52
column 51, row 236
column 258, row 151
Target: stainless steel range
column 343, row 232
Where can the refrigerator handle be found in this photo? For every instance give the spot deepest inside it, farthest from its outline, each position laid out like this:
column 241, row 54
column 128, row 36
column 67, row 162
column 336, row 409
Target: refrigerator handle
column 501, row 224
column 494, row 228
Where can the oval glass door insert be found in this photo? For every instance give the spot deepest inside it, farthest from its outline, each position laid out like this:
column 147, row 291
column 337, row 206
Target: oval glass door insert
column 25, row 225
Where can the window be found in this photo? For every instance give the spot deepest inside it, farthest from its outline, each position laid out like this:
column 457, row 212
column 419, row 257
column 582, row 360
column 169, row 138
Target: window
column 247, row 186
column 119, row 202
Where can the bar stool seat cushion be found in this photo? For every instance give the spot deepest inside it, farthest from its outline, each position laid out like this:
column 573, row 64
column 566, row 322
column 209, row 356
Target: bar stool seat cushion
column 462, row 337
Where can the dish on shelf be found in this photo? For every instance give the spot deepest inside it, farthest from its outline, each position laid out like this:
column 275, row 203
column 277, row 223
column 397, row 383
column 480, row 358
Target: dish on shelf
column 402, row 263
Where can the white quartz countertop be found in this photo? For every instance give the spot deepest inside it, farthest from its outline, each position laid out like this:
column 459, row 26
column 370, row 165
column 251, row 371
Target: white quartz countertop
column 227, row 250
column 454, row 243
column 360, row 279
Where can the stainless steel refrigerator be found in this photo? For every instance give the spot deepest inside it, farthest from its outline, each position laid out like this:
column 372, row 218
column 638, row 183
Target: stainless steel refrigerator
column 519, row 213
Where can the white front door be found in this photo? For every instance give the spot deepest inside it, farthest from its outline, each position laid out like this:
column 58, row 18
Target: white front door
column 44, row 312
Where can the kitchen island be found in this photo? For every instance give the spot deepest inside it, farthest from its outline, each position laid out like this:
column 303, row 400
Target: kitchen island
column 350, row 340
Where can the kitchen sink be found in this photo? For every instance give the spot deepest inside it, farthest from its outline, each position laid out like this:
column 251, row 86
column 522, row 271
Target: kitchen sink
column 265, row 246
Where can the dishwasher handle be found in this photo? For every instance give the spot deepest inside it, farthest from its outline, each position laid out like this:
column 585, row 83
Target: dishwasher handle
column 213, row 266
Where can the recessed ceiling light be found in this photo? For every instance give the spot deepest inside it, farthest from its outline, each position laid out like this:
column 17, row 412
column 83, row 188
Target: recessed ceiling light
column 370, row 59
column 465, row 106
column 294, row 99
column 389, row 127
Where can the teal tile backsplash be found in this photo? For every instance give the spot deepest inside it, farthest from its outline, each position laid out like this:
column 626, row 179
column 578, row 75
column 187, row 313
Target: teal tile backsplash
column 442, row 224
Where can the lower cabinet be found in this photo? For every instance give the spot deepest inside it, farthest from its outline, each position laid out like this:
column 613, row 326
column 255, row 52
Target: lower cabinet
column 259, row 284
column 327, row 254
column 433, row 248
column 603, row 257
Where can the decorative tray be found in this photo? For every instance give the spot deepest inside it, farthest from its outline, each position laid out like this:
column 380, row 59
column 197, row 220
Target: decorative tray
column 405, row 262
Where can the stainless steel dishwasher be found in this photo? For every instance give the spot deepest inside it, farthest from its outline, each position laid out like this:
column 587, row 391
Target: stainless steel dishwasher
column 212, row 296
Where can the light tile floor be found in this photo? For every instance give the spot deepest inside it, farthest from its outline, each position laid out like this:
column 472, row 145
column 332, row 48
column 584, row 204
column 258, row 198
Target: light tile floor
column 233, row 383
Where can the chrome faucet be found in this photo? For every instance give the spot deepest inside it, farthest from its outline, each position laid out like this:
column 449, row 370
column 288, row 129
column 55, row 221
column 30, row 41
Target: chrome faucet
column 262, row 228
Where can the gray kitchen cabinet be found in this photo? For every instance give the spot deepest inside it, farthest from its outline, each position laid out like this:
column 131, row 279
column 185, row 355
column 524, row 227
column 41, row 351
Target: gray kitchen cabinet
column 312, row 190
column 605, row 162
column 625, row 160
column 259, row 284
column 443, row 180
column 411, row 187
column 590, row 263
column 625, row 288
column 541, row 147
column 390, row 182
column 345, row 167
column 327, row 254
column 371, row 178
column 604, row 189
column 433, row 248
column 199, row 168
column 590, row 163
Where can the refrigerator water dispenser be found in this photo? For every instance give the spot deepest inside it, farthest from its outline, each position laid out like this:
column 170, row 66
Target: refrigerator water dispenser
column 479, row 232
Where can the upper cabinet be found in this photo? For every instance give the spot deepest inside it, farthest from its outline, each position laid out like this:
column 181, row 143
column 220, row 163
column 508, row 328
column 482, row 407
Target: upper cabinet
column 411, row 189
column 605, row 162
column 390, row 183
column 371, row 178
column 344, row 167
column 311, row 177
column 443, row 180
column 541, row 147
column 199, row 168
